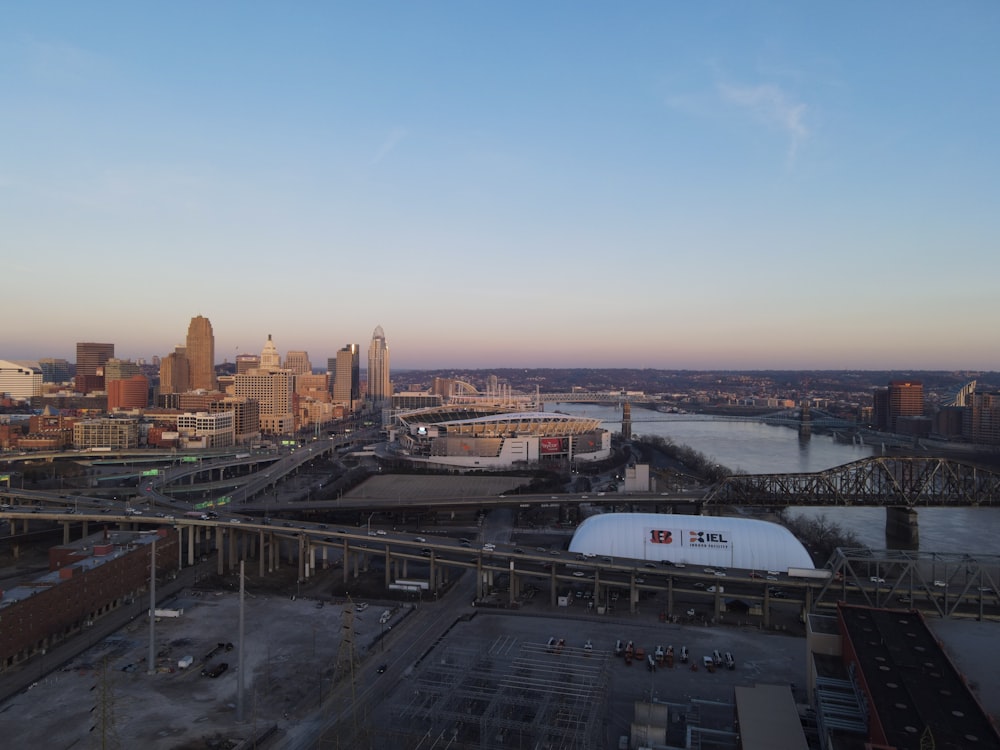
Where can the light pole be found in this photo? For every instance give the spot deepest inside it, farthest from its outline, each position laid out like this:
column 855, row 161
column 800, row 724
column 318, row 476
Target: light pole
column 370, row 523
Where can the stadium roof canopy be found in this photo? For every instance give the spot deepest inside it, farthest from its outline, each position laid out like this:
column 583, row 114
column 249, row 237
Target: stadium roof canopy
column 716, row 541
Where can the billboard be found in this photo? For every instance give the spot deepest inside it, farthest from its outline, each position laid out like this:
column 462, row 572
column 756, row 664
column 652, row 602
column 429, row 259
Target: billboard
column 549, row 445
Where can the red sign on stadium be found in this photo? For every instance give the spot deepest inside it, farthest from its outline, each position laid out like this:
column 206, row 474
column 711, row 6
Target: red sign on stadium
column 551, row 445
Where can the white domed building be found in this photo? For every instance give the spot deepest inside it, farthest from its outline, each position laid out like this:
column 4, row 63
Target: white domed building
column 710, row 541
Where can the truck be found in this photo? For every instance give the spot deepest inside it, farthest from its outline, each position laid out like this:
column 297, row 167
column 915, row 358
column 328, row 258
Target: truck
column 819, row 574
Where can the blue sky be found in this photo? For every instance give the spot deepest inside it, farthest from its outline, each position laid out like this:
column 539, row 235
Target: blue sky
column 640, row 184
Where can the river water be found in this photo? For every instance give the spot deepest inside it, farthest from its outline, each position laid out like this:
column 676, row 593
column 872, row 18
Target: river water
column 758, row 448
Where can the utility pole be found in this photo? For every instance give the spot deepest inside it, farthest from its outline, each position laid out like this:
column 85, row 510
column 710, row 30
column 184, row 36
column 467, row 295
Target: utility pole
column 239, row 645
column 151, row 658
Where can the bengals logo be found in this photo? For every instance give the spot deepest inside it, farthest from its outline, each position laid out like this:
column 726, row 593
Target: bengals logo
column 660, row 536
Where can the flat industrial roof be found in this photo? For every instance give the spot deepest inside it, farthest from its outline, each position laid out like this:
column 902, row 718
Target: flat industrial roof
column 768, row 718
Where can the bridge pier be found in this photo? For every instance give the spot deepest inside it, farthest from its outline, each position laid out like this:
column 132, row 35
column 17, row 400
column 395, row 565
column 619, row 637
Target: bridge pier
column 901, row 526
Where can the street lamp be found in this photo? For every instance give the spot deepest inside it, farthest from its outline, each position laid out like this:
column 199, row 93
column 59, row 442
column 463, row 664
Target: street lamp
column 370, row 523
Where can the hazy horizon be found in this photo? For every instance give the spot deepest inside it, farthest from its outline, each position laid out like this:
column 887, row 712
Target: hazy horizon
column 728, row 185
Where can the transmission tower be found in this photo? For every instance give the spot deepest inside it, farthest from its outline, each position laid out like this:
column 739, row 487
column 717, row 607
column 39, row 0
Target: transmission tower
column 104, row 731
column 347, row 657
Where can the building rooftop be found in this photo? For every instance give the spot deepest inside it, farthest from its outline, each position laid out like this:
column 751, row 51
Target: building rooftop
column 916, row 692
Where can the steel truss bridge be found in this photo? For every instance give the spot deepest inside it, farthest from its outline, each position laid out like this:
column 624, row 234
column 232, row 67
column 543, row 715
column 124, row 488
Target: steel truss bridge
column 879, row 481
column 787, row 417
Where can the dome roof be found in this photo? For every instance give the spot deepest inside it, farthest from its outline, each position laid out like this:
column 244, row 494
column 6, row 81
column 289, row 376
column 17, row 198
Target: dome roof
column 716, row 541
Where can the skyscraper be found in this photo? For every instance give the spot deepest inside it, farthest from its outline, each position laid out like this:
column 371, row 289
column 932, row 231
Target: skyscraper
column 269, row 357
column 379, row 386
column 347, row 380
column 90, row 359
column 906, row 399
column 298, row 362
column 201, row 354
column 175, row 372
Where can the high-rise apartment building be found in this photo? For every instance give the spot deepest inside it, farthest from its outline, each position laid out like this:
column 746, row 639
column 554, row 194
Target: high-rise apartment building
column 379, row 385
column 201, row 354
column 90, row 359
column 298, row 363
column 347, row 378
column 269, row 357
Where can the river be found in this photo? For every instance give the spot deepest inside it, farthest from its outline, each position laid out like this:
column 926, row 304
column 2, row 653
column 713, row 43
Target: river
column 758, row 448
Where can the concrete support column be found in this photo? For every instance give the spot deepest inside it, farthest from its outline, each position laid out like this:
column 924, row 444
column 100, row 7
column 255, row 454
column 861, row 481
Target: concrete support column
column 766, row 606
column 180, row 547
column 406, row 565
column 552, row 586
column 670, row 596
column 345, row 555
column 901, row 526
column 512, row 586
column 86, row 529
column 262, row 551
column 388, row 568
column 231, row 534
column 432, row 578
column 65, row 533
column 219, row 551
column 312, row 560
column 633, row 594
column 191, row 544
column 479, row 578
column 326, row 560
column 357, row 563
column 302, row 557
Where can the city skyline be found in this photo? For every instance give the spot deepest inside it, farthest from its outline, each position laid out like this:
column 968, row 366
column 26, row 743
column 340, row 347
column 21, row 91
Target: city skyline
column 659, row 185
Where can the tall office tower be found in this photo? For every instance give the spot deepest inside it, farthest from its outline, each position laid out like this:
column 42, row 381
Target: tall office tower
column 54, row 370
column 175, row 372
column 298, row 362
column 201, row 354
column 269, row 357
column 347, row 379
column 906, row 399
column 119, row 369
column 379, row 387
column 90, row 359
column 246, row 362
